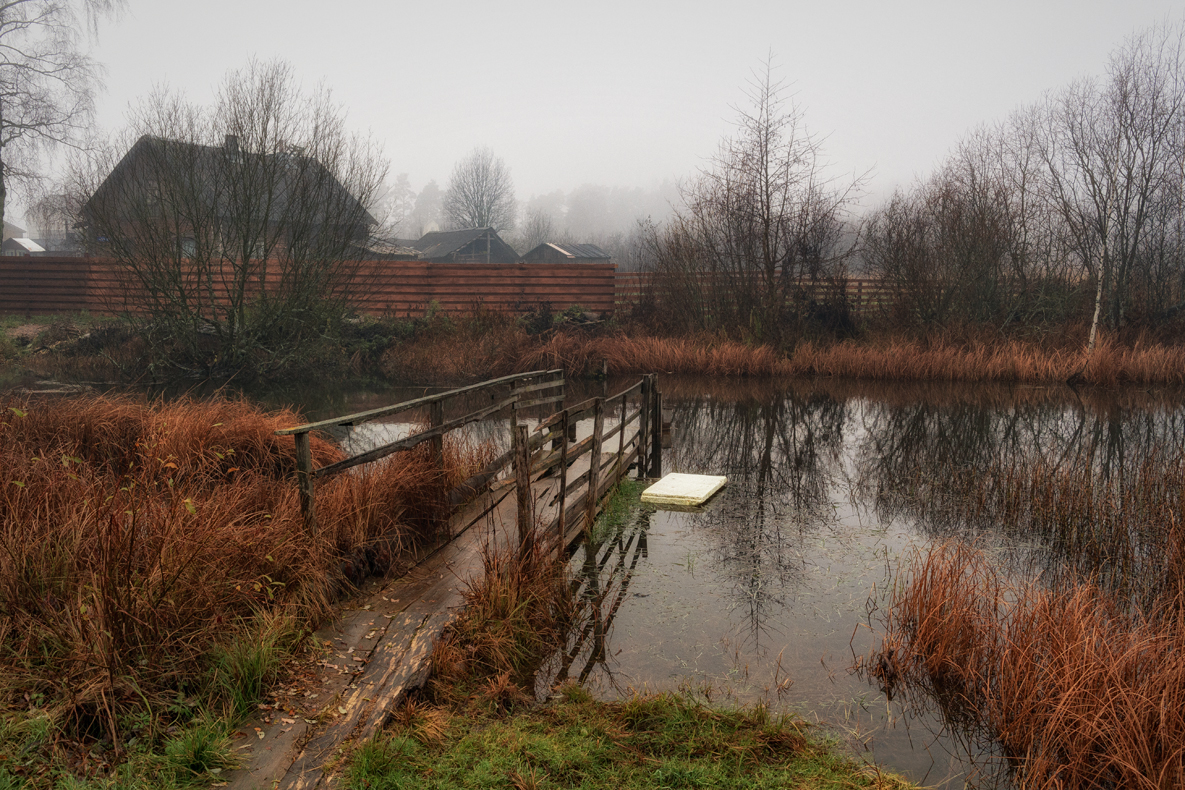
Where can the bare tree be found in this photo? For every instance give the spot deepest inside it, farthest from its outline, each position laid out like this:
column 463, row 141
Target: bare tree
column 537, row 228
column 763, row 217
column 236, row 226
column 480, row 193
column 47, row 81
column 1114, row 151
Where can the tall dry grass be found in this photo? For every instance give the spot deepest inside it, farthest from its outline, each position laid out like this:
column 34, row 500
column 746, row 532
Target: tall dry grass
column 507, row 349
column 1080, row 691
column 1115, row 521
column 135, row 538
column 517, row 612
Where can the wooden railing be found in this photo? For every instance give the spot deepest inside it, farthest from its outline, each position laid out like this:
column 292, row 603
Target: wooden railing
column 524, row 390
column 642, row 449
column 529, row 455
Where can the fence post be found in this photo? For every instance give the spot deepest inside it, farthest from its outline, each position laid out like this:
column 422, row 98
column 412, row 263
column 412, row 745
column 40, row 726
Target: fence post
column 563, row 526
column 435, row 420
column 618, row 471
column 656, row 434
column 304, row 481
column 522, row 485
column 644, row 427
column 594, row 463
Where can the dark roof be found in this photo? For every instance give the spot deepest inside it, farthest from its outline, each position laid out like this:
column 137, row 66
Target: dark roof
column 574, row 250
column 152, row 157
column 440, row 243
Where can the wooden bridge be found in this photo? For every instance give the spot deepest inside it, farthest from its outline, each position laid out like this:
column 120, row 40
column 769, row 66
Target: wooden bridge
column 549, row 480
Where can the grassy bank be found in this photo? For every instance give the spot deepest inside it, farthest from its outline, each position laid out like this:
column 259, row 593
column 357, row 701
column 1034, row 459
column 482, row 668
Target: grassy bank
column 663, row 741
column 155, row 568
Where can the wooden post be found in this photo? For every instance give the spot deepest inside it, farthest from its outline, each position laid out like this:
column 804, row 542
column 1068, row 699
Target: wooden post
column 644, row 428
column 620, row 473
column 563, row 527
column 513, row 409
column 435, row 420
column 656, row 432
column 594, row 464
column 304, row 481
column 522, row 486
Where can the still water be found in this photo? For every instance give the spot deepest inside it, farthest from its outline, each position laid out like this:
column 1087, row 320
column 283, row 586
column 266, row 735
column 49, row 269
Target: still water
column 770, row 594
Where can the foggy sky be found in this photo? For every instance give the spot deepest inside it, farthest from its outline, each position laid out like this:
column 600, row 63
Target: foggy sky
column 630, row 94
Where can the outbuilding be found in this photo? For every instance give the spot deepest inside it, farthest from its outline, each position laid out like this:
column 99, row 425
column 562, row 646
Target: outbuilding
column 551, row 252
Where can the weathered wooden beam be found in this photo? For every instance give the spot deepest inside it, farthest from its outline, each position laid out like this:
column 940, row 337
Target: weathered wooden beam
column 522, row 485
column 656, row 433
column 644, row 429
column 363, row 416
column 304, row 482
column 411, row 441
column 594, row 468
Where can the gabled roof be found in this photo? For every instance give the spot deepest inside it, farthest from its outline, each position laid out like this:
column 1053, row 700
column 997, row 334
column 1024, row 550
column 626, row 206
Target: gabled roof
column 27, row 244
column 571, row 250
column 203, row 168
column 440, row 243
column 581, row 250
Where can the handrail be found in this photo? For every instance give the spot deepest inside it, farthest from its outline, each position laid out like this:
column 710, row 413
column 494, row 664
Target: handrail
column 363, row 416
column 527, row 454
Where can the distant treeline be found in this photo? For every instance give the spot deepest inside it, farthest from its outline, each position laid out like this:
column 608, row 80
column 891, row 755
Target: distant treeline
column 1072, row 210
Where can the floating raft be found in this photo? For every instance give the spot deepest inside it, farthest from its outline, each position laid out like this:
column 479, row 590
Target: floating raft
column 684, row 490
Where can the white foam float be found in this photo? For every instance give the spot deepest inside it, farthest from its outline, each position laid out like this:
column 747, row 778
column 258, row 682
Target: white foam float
column 684, row 490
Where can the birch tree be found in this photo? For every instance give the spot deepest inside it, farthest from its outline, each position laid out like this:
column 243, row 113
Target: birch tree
column 47, row 80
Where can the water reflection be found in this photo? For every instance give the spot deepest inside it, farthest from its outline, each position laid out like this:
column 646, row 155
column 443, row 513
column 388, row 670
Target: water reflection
column 831, row 486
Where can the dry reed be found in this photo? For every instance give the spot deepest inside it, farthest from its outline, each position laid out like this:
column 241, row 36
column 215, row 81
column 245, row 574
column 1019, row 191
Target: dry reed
column 504, row 349
column 1080, row 692
column 135, row 537
column 516, row 613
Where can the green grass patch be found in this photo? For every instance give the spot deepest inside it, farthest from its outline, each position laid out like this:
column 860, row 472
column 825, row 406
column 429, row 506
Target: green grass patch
column 663, row 741
column 619, row 508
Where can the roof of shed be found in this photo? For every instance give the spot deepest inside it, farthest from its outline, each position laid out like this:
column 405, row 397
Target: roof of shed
column 580, row 250
column 439, row 243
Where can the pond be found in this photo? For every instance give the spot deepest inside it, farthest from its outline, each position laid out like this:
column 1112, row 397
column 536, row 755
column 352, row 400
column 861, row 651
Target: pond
column 772, row 592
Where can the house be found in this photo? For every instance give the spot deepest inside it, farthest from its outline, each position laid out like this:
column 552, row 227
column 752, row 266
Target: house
column 13, row 231
column 216, row 198
column 567, row 253
column 472, row 245
column 15, row 246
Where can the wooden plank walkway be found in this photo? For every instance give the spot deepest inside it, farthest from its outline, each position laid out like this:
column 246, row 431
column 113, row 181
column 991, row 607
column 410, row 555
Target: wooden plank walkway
column 391, row 635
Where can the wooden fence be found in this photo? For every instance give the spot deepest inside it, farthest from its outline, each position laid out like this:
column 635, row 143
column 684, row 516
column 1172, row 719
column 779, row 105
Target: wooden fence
column 48, row 285
column 865, row 296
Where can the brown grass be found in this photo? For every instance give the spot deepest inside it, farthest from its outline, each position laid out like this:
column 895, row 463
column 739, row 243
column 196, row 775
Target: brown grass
column 516, row 614
column 498, row 350
column 1079, row 692
column 136, row 537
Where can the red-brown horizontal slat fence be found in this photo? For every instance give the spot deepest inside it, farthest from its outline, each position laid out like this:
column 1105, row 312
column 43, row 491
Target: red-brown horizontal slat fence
column 865, row 295
column 408, row 287
column 47, row 285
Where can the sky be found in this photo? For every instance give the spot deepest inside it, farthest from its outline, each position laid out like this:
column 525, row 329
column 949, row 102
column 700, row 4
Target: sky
column 630, row 94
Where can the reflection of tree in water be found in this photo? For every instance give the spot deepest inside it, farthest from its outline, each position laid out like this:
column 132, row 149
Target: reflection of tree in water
column 782, row 454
